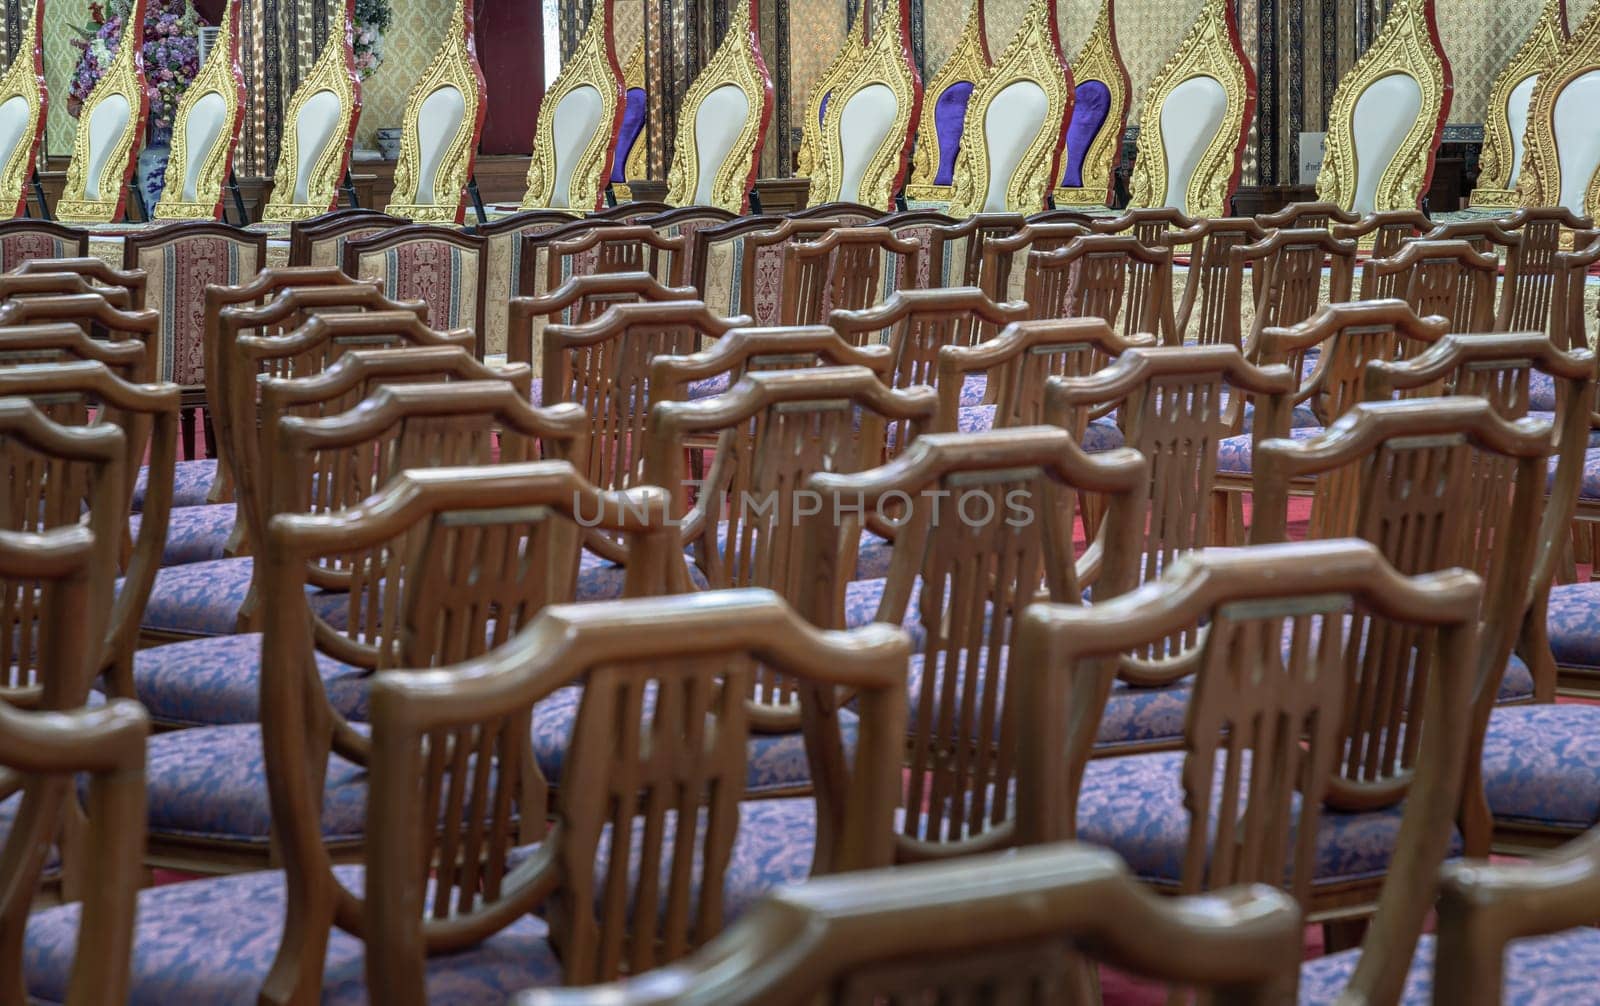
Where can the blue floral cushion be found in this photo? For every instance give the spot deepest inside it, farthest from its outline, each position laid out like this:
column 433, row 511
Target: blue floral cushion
column 974, row 388
column 203, row 599
column 191, row 483
column 1541, row 765
column 872, row 556
column 603, row 580
column 217, row 680
column 1235, row 454
column 194, row 533
column 1102, row 434
column 9, row 808
column 708, row 386
column 211, row 782
column 1516, row 685
column 1573, row 622
column 1151, row 831
column 776, row 762
column 212, row 941
column 861, row 600
column 1556, row 970
column 1541, row 391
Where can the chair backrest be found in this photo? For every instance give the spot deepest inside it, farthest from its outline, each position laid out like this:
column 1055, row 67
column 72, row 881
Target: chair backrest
column 725, row 112
column 1289, row 288
column 1343, row 339
column 533, row 244
column 182, row 260
column 86, row 394
column 1003, row 258
column 503, row 269
column 1118, row 279
column 624, row 248
column 919, row 226
column 579, row 300
column 1175, row 406
column 604, row 367
column 1381, row 235
column 1015, row 124
column 94, row 315
column 45, row 757
column 439, row 266
column 49, row 283
column 1278, row 690
column 1195, row 120
column 749, row 350
column 319, row 130
column 984, row 525
column 575, row 135
column 1016, row 365
column 95, row 270
column 1206, row 316
column 58, row 477
column 843, row 269
column 773, row 430
column 440, row 127
column 660, row 777
column 21, row 240
column 1434, row 483
column 1036, row 921
column 60, row 342
column 1446, row 278
column 687, row 222
column 1296, row 216
column 205, row 133
column 958, row 248
column 113, row 115
column 320, row 240
column 634, row 210
column 255, row 351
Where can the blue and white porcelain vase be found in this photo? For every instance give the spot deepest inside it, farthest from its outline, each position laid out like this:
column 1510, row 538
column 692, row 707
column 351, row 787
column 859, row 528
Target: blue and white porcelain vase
column 151, row 173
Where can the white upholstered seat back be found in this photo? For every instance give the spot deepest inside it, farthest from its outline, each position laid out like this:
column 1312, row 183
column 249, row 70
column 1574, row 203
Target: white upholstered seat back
column 1010, row 126
column 864, row 124
column 1383, row 115
column 108, row 124
column 576, row 120
column 13, row 123
column 438, row 120
column 1577, row 139
column 1190, row 118
column 313, row 131
column 717, row 124
column 200, row 134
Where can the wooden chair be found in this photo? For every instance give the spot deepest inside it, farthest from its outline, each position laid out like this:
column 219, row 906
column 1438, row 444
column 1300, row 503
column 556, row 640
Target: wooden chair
column 44, row 284
column 738, row 266
column 958, row 248
column 1013, row 369
column 62, row 342
column 985, row 533
column 1382, row 235
column 1205, row 316
column 847, row 268
column 85, row 396
column 1297, row 216
column 917, row 324
column 1031, row 921
column 439, row 266
column 1540, row 293
column 92, row 313
column 604, row 365
column 687, row 222
column 1471, row 487
column 920, row 226
column 1260, row 792
column 1154, row 226
column 534, row 245
column 180, row 260
column 579, row 300
column 1510, row 931
column 1449, row 279
column 741, row 351
column 442, row 515
column 999, row 275
column 320, row 240
column 1287, row 276
column 23, row 240
column 1118, row 279
column 623, row 248
column 97, row 271
column 178, row 609
column 502, row 265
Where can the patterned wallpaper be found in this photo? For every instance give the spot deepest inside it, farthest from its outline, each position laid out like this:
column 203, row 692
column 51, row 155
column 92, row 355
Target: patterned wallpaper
column 408, row 47
column 1478, row 38
column 816, row 31
column 60, row 59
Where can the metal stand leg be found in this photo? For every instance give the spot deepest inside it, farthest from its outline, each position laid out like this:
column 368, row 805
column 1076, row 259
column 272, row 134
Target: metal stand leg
column 755, row 202
column 38, row 193
column 900, row 200
column 350, row 190
column 138, row 200
column 477, row 199
column 611, row 194
column 238, row 199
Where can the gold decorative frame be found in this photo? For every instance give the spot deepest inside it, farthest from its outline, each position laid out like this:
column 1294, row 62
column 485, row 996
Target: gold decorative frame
column 1497, row 188
column 335, row 72
column 886, row 61
column 454, row 65
column 1210, row 49
column 638, row 163
column 25, row 79
column 1100, row 60
column 968, row 63
column 593, row 64
column 1407, row 44
column 221, row 76
column 1541, row 159
column 123, row 78
column 737, row 62
column 1034, row 54
column 809, row 157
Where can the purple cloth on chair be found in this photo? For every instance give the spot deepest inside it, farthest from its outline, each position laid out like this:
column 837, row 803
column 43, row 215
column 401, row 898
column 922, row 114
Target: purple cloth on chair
column 822, row 109
column 1090, row 106
column 949, row 116
column 632, row 126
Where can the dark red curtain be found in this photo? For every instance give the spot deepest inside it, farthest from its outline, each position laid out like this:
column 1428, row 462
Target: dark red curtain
column 510, row 37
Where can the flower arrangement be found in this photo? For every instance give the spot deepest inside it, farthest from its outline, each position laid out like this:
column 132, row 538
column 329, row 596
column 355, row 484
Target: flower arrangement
column 373, row 18
column 171, row 54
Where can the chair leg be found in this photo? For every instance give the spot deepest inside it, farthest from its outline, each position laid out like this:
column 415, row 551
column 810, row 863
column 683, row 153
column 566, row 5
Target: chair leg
column 186, row 449
column 211, row 435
